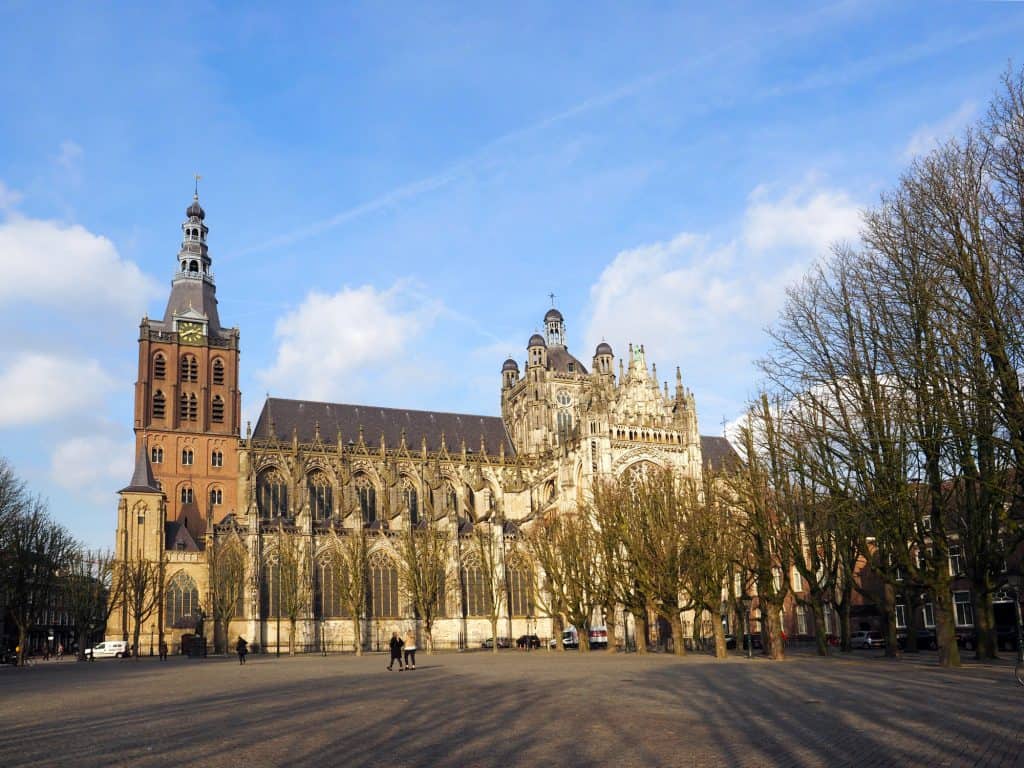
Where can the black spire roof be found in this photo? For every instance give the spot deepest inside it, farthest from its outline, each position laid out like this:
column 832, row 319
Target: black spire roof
column 142, row 478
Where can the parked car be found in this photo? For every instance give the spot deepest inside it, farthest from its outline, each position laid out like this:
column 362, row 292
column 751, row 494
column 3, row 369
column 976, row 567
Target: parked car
column 755, row 639
column 926, row 640
column 867, row 639
column 108, row 649
column 730, row 641
column 528, row 641
column 503, row 642
column 570, row 638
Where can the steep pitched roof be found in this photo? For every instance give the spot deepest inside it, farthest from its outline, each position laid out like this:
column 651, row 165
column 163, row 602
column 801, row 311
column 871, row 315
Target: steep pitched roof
column 718, row 453
column 142, row 478
column 304, row 415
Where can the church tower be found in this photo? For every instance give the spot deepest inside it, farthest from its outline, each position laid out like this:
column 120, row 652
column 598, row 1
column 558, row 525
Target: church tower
column 187, row 401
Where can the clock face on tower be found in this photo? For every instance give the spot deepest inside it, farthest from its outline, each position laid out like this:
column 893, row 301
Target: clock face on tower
column 190, row 333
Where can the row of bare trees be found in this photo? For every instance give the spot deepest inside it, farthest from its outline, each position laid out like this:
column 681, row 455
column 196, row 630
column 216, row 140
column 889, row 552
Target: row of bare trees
column 894, row 426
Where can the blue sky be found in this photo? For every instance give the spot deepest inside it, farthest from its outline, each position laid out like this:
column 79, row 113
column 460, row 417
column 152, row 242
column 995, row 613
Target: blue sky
column 393, row 190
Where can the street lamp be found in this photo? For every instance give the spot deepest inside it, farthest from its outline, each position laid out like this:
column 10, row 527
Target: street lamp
column 748, row 636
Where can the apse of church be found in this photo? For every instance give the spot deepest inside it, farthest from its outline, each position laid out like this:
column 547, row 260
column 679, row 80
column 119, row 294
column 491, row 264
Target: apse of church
column 314, row 470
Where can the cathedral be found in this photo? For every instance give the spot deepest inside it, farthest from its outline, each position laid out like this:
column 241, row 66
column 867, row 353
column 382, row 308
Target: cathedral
column 314, row 470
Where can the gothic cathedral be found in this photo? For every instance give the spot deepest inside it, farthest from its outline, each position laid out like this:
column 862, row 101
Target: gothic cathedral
column 312, row 471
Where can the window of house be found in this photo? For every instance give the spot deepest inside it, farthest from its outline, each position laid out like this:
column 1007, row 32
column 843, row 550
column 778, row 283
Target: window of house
column 218, row 371
column 802, row 624
column 901, row 616
column 159, row 366
column 777, row 578
column 798, row 582
column 956, row 560
column 159, row 405
column 217, row 409
column 157, row 455
column 216, row 497
column 928, row 613
column 217, row 459
column 926, row 524
column 186, row 495
column 963, row 609
column 187, row 457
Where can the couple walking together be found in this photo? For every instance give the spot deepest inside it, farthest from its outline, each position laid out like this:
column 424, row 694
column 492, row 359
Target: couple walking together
column 396, row 645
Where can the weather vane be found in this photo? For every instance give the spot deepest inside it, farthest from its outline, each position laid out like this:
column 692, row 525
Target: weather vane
column 197, row 178
column 552, row 297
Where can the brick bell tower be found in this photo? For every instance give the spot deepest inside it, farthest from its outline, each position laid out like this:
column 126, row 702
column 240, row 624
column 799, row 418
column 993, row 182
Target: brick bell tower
column 187, row 401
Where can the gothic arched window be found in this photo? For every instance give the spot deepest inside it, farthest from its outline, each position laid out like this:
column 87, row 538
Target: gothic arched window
column 159, row 366
column 366, row 495
column 320, row 496
column 186, row 494
column 270, row 590
column 478, row 598
column 216, row 497
column 520, row 589
column 383, row 587
column 218, row 371
column 189, row 368
column 159, row 405
column 181, row 601
column 187, row 457
column 271, row 494
column 217, row 409
column 410, row 501
column 451, row 499
column 157, row 455
column 327, row 601
column 217, row 459
column 193, row 407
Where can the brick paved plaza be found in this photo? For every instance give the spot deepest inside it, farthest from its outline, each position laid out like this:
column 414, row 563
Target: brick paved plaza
column 536, row 709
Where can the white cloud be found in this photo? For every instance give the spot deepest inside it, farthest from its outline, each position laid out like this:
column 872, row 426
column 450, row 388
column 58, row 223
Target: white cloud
column 69, row 157
column 928, row 137
column 330, row 344
column 66, row 266
column 39, row 388
column 95, row 465
column 8, row 197
column 802, row 218
column 703, row 304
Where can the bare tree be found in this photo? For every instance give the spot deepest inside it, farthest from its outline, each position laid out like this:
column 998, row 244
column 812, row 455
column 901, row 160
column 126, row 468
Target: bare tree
column 293, row 582
column 227, row 561
column 138, row 585
column 424, row 550
column 88, row 585
column 488, row 547
column 349, row 561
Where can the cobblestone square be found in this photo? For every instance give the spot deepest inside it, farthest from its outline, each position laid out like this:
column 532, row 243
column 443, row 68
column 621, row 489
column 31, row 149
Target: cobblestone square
column 516, row 708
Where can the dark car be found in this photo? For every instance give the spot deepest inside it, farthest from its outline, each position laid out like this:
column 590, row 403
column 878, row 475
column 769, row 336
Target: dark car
column 528, row 641
column 926, row 639
column 755, row 639
column 503, row 642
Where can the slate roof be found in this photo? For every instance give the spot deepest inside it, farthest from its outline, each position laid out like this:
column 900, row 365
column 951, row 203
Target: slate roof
column 559, row 359
column 304, row 415
column 718, row 453
column 196, row 295
column 142, row 478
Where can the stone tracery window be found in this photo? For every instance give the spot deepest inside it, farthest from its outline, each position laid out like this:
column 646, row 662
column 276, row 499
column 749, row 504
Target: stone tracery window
column 270, row 590
column 520, row 587
column 410, row 500
column 321, row 498
column 327, row 602
column 181, row 601
column 383, row 586
column 478, row 598
column 271, row 494
column 366, row 495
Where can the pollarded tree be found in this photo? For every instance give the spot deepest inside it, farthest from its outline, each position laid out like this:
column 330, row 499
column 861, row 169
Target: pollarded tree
column 488, row 546
column 292, row 564
column 138, row 585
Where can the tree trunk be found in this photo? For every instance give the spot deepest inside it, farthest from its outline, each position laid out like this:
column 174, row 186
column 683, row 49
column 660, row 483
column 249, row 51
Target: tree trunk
column 291, row 637
column 678, row 642
column 83, row 635
column 642, row 631
column 844, row 624
column 357, row 636
column 984, row 621
column 135, row 639
column 22, row 651
column 892, row 648
column 720, row 649
column 428, row 630
column 556, row 622
column 820, row 632
column 945, row 628
column 494, row 633
column 773, row 647
column 914, row 625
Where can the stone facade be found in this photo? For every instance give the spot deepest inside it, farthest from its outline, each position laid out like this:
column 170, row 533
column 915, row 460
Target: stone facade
column 311, row 470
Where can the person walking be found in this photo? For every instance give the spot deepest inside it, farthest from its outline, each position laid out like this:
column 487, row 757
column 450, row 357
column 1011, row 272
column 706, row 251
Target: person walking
column 396, row 651
column 242, row 648
column 163, row 650
column 410, row 650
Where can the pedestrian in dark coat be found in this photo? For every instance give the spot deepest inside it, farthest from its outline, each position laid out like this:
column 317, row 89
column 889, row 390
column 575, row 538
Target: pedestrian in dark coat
column 242, row 648
column 163, row 651
column 396, row 651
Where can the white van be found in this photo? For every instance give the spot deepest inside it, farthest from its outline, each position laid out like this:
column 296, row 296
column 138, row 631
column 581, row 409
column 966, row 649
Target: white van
column 571, row 639
column 107, row 649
